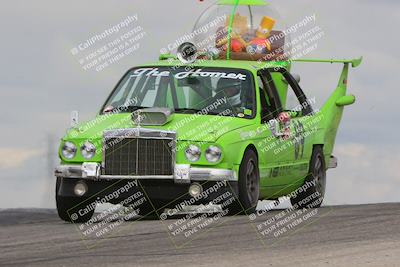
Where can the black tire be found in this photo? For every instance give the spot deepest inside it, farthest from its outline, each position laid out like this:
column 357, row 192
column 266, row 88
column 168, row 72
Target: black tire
column 68, row 207
column 314, row 195
column 249, row 185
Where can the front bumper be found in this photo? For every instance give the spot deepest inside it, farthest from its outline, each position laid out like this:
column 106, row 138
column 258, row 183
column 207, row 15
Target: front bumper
column 183, row 173
column 163, row 192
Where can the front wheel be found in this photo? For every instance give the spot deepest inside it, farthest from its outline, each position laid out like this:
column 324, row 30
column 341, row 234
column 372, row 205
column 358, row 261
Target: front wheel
column 249, row 185
column 314, row 185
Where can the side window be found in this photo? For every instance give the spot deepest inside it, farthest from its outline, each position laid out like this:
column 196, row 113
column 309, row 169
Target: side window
column 292, row 102
column 267, row 103
column 271, row 94
column 292, row 97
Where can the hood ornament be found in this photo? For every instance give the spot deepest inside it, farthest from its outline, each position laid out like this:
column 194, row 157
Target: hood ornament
column 152, row 116
column 139, row 118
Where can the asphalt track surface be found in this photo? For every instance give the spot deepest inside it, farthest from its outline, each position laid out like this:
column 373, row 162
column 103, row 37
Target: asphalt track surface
column 359, row 235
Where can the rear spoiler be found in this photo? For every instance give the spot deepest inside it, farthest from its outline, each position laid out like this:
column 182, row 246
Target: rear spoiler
column 354, row 62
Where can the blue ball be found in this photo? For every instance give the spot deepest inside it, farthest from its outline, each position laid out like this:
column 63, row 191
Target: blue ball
column 256, row 49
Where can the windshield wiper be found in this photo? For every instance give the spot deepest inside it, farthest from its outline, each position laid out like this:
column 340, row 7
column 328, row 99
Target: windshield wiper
column 193, row 110
column 134, row 108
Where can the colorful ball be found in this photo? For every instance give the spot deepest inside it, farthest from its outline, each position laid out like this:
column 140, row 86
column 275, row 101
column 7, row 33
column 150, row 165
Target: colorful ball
column 236, row 46
column 257, row 46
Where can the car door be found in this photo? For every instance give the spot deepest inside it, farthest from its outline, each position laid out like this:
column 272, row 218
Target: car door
column 272, row 171
column 294, row 112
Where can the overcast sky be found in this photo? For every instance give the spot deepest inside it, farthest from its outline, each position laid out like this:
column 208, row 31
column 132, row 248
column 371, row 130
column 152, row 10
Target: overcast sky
column 41, row 82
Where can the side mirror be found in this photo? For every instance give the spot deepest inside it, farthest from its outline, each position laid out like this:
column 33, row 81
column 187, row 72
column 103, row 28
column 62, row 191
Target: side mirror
column 274, row 127
column 74, row 118
column 280, row 127
column 345, row 100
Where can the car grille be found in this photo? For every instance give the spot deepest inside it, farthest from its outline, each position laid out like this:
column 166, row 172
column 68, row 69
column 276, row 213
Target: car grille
column 138, row 156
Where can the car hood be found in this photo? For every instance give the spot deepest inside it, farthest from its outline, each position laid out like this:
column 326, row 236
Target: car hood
column 188, row 127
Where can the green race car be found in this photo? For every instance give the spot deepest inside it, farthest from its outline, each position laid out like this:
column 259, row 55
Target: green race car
column 222, row 122
column 174, row 132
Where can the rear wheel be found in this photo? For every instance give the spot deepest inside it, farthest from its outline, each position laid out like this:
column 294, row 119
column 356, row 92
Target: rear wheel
column 315, row 183
column 73, row 209
column 249, row 185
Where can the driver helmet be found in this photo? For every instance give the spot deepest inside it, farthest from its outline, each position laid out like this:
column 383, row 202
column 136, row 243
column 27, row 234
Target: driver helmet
column 230, row 88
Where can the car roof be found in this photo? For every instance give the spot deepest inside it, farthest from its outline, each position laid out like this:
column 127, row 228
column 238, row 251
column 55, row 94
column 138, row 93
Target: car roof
column 237, row 64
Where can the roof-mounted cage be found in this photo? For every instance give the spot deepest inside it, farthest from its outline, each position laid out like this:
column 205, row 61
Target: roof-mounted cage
column 242, row 30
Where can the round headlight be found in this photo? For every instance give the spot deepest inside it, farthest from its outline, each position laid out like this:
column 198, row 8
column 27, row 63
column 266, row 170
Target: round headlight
column 213, row 154
column 68, row 150
column 88, row 150
column 193, row 153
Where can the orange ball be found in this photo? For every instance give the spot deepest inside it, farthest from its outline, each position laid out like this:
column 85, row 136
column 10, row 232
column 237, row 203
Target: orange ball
column 236, row 46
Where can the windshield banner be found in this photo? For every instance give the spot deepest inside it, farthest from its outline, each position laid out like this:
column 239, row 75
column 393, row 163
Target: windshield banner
column 192, row 73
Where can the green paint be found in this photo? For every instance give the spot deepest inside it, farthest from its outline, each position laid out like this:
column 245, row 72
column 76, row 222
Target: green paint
column 346, row 100
column 247, row 112
column 280, row 170
column 354, row 62
column 228, row 49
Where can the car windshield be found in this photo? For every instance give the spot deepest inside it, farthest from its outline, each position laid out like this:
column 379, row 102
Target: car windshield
column 214, row 91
